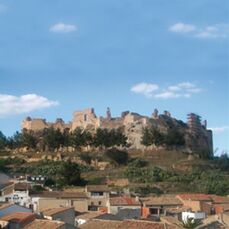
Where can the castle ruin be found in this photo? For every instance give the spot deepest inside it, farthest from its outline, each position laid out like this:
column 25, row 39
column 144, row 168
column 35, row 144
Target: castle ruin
column 132, row 124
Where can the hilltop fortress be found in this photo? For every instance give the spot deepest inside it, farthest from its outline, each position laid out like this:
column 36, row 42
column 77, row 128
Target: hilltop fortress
column 197, row 136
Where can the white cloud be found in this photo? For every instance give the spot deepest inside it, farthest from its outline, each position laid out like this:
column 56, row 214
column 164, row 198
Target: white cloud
column 145, row 88
column 219, row 130
column 216, row 31
column 182, row 28
column 63, row 28
column 11, row 105
column 212, row 31
column 167, row 95
column 180, row 90
column 186, row 85
column 174, row 88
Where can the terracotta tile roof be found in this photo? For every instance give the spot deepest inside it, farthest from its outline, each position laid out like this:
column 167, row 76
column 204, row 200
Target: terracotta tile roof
column 219, row 199
column 21, row 218
column 178, row 210
column 54, row 194
column 22, row 186
column 170, row 220
column 120, row 201
column 89, row 215
column 131, row 224
column 194, row 197
column 225, row 207
column 97, row 188
column 44, row 224
column 161, row 200
column 54, row 211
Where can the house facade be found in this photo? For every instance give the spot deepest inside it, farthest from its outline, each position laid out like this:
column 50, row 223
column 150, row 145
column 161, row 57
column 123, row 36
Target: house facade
column 98, row 196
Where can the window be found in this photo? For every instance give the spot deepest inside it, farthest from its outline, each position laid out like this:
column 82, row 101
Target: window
column 96, row 193
column 100, row 202
column 153, row 211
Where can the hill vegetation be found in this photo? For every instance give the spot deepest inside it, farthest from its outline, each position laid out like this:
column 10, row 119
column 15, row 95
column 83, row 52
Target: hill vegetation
column 150, row 171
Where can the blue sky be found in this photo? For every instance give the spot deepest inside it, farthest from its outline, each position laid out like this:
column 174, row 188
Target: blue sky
column 64, row 55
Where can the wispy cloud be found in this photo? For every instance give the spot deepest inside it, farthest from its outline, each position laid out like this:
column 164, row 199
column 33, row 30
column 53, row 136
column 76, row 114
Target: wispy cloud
column 219, row 130
column 212, row 31
column 180, row 90
column 146, row 89
column 11, row 105
column 63, row 28
column 182, row 28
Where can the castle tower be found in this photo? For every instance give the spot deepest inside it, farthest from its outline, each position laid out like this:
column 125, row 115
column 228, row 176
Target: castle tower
column 205, row 124
column 194, row 122
column 108, row 113
column 155, row 114
column 167, row 113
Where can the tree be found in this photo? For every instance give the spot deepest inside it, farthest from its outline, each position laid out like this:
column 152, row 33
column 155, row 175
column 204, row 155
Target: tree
column 223, row 162
column 117, row 156
column 15, row 140
column 66, row 137
column 70, row 174
column 138, row 163
column 28, row 139
column 108, row 138
column 53, row 138
column 146, row 137
column 174, row 138
column 3, row 140
column 152, row 136
column 81, row 137
column 101, row 138
column 86, row 157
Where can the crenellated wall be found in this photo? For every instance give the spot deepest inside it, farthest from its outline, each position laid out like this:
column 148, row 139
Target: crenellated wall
column 197, row 136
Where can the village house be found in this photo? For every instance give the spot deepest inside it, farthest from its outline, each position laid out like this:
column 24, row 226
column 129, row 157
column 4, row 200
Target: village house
column 55, row 199
column 43, row 224
column 193, row 215
column 6, row 189
column 17, row 220
column 7, row 208
column 65, row 214
column 125, row 207
column 157, row 206
column 210, row 204
column 17, row 193
column 132, row 224
column 98, row 196
column 197, row 202
column 85, row 217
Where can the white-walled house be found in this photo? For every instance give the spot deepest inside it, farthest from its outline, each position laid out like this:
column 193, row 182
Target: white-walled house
column 17, row 193
column 193, row 215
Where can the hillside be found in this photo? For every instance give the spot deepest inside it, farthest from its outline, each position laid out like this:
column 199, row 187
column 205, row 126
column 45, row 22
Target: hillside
column 157, row 154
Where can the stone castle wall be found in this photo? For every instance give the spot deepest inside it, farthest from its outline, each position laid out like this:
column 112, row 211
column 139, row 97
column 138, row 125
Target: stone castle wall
column 132, row 124
column 85, row 119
